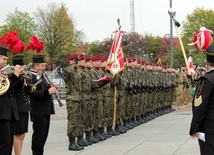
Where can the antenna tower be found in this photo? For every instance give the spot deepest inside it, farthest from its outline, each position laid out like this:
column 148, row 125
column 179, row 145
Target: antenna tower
column 132, row 15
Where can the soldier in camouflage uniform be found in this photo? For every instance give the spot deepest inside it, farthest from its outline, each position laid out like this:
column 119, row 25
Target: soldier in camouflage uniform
column 120, row 85
column 104, row 88
column 180, row 97
column 107, row 100
column 89, row 98
column 98, row 100
column 128, row 93
column 144, row 91
column 84, row 95
column 73, row 85
column 138, row 88
column 134, row 82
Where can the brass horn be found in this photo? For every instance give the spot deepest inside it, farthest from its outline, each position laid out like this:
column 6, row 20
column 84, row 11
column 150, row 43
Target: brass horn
column 4, row 83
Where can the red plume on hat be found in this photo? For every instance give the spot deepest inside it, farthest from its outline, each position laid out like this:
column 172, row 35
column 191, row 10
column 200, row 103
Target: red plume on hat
column 12, row 42
column 35, row 45
column 202, row 39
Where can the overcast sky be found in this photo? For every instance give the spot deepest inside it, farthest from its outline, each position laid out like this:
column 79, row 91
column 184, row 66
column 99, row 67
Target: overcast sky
column 98, row 18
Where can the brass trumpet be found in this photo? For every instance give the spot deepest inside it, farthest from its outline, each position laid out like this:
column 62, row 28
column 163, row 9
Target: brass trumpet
column 27, row 74
column 4, row 81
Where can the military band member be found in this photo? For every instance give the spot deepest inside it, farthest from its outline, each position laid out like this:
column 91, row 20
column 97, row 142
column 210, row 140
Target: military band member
column 23, row 104
column 203, row 111
column 8, row 106
column 42, row 106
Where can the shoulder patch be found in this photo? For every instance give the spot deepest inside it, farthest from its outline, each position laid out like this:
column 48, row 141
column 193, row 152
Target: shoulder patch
column 198, row 101
column 198, row 98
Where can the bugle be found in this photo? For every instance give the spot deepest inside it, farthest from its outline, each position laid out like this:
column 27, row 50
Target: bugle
column 56, row 95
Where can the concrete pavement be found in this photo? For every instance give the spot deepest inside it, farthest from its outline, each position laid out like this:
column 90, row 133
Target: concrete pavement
column 165, row 135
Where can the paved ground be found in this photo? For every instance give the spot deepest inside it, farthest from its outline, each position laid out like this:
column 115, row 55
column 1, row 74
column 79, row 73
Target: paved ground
column 165, row 135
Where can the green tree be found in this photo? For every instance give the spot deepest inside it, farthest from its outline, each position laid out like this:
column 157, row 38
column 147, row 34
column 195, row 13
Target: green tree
column 198, row 18
column 24, row 24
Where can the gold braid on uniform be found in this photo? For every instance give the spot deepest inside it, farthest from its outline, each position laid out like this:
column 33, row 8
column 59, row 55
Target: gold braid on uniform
column 198, row 99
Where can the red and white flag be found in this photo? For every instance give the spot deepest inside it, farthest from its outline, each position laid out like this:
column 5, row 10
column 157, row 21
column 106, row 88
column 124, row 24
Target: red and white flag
column 190, row 63
column 116, row 58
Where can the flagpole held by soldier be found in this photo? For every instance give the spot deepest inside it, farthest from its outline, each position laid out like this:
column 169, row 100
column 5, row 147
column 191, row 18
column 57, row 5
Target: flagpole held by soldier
column 116, row 62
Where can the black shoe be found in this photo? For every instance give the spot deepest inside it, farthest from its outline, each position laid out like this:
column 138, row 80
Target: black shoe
column 120, row 130
column 82, row 142
column 128, row 126
column 75, row 147
column 101, row 137
column 108, row 134
column 124, row 128
column 113, row 132
column 92, row 139
column 104, row 135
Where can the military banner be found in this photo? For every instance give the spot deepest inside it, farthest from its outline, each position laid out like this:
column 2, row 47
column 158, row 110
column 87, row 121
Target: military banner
column 116, row 58
column 190, row 63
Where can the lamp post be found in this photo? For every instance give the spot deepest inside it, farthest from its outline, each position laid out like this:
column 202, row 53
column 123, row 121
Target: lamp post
column 171, row 39
column 151, row 56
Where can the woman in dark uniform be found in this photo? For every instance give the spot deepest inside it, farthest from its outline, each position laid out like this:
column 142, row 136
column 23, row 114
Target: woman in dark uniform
column 23, row 105
column 203, row 107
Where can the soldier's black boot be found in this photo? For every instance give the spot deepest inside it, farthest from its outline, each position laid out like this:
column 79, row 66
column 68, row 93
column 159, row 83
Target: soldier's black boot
column 119, row 129
column 123, row 126
column 81, row 141
column 73, row 145
column 156, row 113
column 136, row 123
column 102, row 132
column 144, row 118
column 159, row 112
column 126, row 124
column 89, row 137
column 96, row 135
column 131, row 123
column 108, row 131
column 102, row 137
column 113, row 132
column 147, row 117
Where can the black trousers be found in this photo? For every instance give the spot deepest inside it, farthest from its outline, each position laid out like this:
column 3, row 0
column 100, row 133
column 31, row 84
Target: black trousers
column 41, row 126
column 6, row 136
column 207, row 147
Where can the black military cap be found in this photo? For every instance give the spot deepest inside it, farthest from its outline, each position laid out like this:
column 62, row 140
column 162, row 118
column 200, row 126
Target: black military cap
column 210, row 54
column 4, row 51
column 38, row 59
column 18, row 60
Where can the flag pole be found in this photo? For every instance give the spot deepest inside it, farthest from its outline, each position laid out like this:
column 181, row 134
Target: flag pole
column 177, row 25
column 115, row 91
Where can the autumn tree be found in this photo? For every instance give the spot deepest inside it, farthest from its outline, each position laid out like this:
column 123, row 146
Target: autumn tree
column 57, row 31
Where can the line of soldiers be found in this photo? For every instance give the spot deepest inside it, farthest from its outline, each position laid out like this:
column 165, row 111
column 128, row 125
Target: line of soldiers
column 144, row 92
column 183, row 86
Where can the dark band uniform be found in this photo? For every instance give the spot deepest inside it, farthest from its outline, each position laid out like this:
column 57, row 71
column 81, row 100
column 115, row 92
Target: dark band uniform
column 41, row 108
column 22, row 101
column 8, row 112
column 203, row 108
